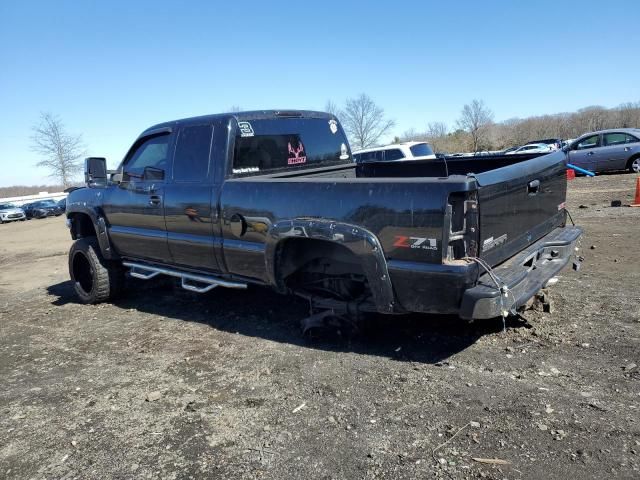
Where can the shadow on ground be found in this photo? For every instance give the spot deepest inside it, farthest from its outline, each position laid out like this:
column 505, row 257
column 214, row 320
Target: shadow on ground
column 262, row 313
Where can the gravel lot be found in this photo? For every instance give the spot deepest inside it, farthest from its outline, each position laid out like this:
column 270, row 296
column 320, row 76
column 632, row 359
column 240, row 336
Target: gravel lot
column 169, row 384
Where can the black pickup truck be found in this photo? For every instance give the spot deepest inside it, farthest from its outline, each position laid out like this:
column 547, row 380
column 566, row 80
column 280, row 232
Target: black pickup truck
column 274, row 198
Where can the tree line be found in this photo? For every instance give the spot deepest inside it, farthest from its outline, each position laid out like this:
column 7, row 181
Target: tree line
column 367, row 125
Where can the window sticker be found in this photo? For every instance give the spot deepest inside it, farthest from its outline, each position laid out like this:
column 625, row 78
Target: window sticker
column 344, row 155
column 296, row 155
column 246, row 130
column 333, row 126
column 246, row 170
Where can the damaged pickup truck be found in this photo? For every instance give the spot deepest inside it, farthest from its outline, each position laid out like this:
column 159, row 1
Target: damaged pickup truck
column 274, row 198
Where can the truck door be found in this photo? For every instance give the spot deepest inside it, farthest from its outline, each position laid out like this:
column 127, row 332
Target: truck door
column 134, row 209
column 188, row 200
column 584, row 153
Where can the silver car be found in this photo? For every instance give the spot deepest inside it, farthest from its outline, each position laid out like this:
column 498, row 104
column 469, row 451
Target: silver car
column 615, row 149
column 11, row 213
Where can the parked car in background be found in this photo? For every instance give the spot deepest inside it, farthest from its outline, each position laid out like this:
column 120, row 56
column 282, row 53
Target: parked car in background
column 397, row 151
column 11, row 213
column 554, row 143
column 42, row 209
column 509, row 150
column 606, row 150
column 63, row 204
column 531, row 148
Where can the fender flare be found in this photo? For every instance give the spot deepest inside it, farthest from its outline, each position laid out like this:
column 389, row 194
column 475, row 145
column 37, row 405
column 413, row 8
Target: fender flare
column 361, row 242
column 99, row 224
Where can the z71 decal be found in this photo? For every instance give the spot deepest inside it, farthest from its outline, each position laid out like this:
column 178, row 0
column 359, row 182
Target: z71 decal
column 415, row 242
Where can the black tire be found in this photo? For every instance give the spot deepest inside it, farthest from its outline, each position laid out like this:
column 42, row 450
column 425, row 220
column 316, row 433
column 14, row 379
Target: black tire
column 634, row 165
column 94, row 279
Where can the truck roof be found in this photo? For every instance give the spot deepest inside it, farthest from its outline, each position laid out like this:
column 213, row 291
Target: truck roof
column 241, row 116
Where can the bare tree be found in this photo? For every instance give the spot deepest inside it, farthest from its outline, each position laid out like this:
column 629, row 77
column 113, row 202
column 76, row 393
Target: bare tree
column 60, row 151
column 332, row 108
column 364, row 121
column 411, row 135
column 474, row 119
column 436, row 129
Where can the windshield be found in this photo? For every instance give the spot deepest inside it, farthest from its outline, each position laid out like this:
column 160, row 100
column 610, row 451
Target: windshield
column 5, row 206
column 46, row 203
column 421, row 150
column 265, row 146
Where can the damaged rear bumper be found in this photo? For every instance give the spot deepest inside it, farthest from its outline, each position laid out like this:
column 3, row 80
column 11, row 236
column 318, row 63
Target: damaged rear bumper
column 524, row 275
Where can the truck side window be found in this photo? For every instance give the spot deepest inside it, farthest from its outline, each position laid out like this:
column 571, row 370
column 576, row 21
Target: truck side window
column 151, row 153
column 191, row 160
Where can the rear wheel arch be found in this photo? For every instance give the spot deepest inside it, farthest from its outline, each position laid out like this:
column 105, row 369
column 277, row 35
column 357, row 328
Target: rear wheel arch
column 315, row 265
column 633, row 165
column 343, row 244
column 294, row 253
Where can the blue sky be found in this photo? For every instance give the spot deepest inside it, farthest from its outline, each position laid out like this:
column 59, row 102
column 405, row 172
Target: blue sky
column 111, row 69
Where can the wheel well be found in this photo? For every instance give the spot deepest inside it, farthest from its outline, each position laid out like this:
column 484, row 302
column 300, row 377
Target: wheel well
column 81, row 226
column 633, row 157
column 327, row 266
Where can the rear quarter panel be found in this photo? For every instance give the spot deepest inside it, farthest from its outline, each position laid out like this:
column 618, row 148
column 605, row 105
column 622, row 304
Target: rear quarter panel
column 393, row 210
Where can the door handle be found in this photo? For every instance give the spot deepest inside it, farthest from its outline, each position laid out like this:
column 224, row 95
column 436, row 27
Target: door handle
column 590, row 153
column 154, row 200
column 626, row 149
column 533, row 187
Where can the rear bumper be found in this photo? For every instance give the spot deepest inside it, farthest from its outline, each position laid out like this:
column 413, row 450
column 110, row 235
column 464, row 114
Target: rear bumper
column 524, row 274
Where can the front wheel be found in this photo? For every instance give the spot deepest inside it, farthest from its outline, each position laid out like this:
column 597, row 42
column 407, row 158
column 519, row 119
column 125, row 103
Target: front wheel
column 94, row 278
column 634, row 165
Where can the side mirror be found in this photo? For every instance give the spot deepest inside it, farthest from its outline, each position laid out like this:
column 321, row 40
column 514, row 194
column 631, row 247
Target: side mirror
column 95, row 171
column 153, row 173
column 117, row 176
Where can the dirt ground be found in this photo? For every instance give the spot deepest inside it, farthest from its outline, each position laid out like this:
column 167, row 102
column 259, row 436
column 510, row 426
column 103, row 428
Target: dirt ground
column 170, row 384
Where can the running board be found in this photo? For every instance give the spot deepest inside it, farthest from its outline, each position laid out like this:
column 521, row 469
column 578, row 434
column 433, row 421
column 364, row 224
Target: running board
column 190, row 281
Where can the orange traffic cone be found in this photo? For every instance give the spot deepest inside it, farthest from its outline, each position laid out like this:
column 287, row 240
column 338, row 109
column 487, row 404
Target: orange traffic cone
column 571, row 174
column 636, row 202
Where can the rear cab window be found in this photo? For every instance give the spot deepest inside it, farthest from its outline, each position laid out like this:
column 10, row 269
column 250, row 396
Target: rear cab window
column 273, row 145
column 421, row 150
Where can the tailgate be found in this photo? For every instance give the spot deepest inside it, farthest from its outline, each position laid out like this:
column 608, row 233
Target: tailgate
column 519, row 204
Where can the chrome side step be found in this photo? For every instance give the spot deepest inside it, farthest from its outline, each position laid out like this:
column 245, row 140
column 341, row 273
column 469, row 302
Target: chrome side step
column 190, row 281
